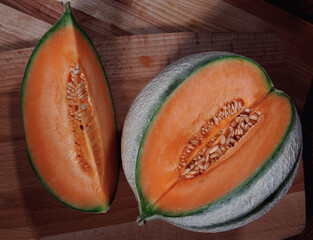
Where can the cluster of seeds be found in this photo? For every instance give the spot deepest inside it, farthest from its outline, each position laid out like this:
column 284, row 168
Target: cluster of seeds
column 77, row 97
column 80, row 111
column 83, row 125
column 225, row 139
column 228, row 109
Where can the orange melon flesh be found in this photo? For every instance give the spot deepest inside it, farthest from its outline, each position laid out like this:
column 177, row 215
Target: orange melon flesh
column 238, row 164
column 180, row 118
column 47, row 126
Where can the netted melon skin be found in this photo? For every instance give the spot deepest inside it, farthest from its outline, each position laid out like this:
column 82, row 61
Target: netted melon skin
column 148, row 101
column 257, row 197
column 244, row 204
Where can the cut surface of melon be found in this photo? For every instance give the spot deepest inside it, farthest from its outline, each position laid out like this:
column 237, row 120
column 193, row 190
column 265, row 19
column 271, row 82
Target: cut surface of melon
column 193, row 128
column 69, row 119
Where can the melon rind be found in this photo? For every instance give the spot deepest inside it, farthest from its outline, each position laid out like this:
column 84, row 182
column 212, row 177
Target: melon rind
column 66, row 19
column 257, row 196
column 146, row 104
column 247, row 202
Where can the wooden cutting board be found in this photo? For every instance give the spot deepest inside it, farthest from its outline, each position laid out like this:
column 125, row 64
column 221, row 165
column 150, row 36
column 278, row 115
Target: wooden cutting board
column 28, row 211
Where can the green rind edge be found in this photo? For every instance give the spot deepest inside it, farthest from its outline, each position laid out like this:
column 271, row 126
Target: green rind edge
column 249, row 181
column 269, row 200
column 66, row 19
column 148, row 210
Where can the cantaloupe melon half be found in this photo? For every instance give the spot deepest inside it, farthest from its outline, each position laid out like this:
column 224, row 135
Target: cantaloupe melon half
column 209, row 144
column 69, row 119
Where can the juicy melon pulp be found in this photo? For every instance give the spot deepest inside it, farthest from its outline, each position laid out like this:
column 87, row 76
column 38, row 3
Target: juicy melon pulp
column 69, row 119
column 164, row 185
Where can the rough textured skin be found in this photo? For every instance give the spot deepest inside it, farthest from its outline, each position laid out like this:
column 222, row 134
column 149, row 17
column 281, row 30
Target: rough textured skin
column 243, row 205
column 147, row 102
column 236, row 211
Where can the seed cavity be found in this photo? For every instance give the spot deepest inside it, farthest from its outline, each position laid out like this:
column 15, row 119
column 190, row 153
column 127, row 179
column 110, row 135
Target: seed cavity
column 77, row 92
column 81, row 117
column 195, row 160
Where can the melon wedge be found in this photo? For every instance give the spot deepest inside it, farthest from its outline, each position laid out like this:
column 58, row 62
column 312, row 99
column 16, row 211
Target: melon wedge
column 69, row 119
column 214, row 147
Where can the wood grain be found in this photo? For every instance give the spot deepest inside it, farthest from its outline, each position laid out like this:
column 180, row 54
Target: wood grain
column 102, row 18
column 12, row 35
column 271, row 227
column 26, row 208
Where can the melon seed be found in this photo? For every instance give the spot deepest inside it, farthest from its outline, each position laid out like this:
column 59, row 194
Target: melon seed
column 206, row 165
column 214, row 155
column 81, row 118
column 225, row 139
column 213, row 149
column 253, row 117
